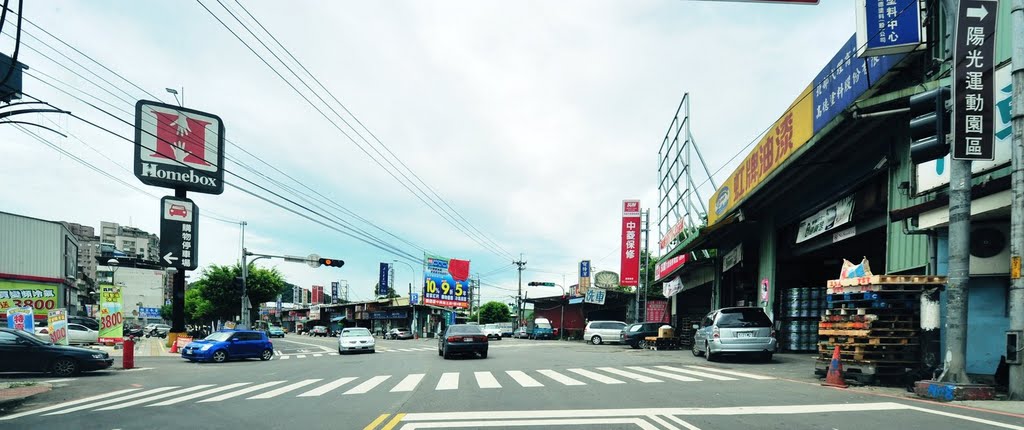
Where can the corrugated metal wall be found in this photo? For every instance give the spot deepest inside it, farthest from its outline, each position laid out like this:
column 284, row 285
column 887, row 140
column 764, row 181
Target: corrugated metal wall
column 903, row 252
column 31, row 247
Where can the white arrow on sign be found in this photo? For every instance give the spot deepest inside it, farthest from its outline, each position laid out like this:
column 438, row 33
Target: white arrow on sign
column 977, row 12
column 169, row 259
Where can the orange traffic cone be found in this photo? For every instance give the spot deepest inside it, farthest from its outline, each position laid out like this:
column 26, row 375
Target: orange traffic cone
column 834, row 378
column 174, row 347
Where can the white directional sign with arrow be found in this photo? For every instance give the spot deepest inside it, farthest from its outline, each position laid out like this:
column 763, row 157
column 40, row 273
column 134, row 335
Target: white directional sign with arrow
column 179, row 233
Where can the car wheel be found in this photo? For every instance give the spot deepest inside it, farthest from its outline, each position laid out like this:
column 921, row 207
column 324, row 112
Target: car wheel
column 766, row 357
column 64, row 367
column 696, row 352
column 445, row 354
column 439, row 353
column 707, row 352
column 340, row 351
column 644, row 344
column 634, row 345
column 483, row 354
column 267, row 355
column 596, row 340
column 220, row 356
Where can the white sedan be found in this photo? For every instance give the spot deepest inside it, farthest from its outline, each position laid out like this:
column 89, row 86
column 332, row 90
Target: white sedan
column 77, row 334
column 354, row 340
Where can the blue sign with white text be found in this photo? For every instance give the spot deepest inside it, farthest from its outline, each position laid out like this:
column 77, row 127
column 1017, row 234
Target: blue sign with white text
column 844, row 79
column 149, row 312
column 890, row 26
column 414, row 298
column 334, row 292
column 585, row 269
column 384, row 283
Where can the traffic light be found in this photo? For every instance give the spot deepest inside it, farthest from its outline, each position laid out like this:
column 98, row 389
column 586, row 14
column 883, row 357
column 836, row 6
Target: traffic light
column 331, row 262
column 929, row 124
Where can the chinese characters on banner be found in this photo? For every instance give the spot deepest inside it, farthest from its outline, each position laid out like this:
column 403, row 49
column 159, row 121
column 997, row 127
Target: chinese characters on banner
column 20, row 319
column 111, row 315
column 445, row 282
column 973, row 81
column 37, row 296
column 888, row 26
column 384, row 279
column 630, row 267
column 318, row 294
column 584, row 283
column 334, row 292
column 595, row 296
column 657, row 311
column 57, row 321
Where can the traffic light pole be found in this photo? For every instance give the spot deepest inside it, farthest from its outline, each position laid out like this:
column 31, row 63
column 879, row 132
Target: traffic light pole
column 1016, row 298
column 313, row 261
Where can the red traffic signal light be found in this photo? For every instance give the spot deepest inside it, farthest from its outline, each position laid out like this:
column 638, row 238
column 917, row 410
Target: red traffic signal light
column 331, row 262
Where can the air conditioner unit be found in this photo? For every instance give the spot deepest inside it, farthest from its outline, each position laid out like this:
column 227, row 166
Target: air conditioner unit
column 990, row 249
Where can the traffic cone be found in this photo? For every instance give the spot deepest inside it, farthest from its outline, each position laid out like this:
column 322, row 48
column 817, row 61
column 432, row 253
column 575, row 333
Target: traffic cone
column 174, row 347
column 834, row 378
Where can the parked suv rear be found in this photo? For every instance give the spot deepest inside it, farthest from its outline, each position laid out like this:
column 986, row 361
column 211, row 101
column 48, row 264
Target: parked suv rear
column 634, row 334
column 735, row 330
column 598, row 332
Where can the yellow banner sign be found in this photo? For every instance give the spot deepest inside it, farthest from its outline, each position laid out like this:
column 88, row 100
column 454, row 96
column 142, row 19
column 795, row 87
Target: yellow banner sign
column 787, row 135
column 38, row 296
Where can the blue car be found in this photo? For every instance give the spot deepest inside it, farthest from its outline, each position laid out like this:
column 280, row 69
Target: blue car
column 275, row 331
column 229, row 344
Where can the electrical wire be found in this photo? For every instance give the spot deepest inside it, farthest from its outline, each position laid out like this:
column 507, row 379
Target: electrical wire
column 17, row 46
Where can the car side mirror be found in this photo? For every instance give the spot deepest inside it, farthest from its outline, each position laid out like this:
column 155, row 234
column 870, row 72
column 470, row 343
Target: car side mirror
column 696, row 326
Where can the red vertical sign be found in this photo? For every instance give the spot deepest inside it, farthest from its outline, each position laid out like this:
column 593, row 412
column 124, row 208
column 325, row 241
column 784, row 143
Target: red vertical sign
column 318, row 294
column 657, row 311
column 630, row 243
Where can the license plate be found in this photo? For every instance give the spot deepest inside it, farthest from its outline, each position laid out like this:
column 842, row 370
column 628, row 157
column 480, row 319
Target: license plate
column 188, row 351
column 468, row 339
column 745, row 334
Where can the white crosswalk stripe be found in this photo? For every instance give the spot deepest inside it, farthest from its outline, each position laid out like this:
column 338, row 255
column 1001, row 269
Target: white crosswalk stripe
column 564, row 380
column 200, row 394
column 66, row 404
column 368, row 385
column 732, row 373
column 328, row 387
column 449, row 381
column 151, row 398
column 596, row 376
column 242, row 392
column 409, row 383
column 696, row 373
column 486, row 380
column 523, row 379
column 318, row 355
column 630, row 375
column 279, row 391
column 285, row 357
column 300, row 356
column 113, row 400
column 663, row 374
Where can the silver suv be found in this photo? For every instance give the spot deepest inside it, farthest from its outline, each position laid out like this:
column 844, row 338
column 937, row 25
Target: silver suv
column 598, row 332
column 735, row 330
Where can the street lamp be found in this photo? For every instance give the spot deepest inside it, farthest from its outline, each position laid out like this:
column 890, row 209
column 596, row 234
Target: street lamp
column 175, row 92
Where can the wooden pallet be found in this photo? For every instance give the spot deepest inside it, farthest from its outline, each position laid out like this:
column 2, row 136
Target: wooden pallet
column 867, row 325
column 854, row 367
column 832, row 341
column 888, row 280
column 904, row 305
column 876, row 357
column 864, row 314
column 866, row 347
column 886, row 332
column 874, row 296
column 662, row 343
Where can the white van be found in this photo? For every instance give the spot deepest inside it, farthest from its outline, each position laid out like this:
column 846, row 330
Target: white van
column 598, row 332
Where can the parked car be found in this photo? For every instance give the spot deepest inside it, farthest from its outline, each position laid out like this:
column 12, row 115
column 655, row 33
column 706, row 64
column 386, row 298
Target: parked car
column 319, row 331
column 746, row 330
column 398, row 333
column 229, row 344
column 462, row 339
column 492, row 331
column 634, row 334
column 275, row 331
column 507, row 330
column 90, row 322
column 77, row 334
column 22, row 352
column 523, row 332
column 598, row 332
column 355, row 339
column 541, row 329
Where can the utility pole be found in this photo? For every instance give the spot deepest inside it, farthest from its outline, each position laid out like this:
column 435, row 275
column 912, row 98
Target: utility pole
column 645, row 257
column 245, row 276
column 1017, row 190
column 519, row 298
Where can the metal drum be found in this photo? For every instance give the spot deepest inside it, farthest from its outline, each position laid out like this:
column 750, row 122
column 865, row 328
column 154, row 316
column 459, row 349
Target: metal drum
column 792, row 303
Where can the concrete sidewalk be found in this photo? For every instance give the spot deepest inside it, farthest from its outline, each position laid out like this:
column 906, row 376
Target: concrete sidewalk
column 145, row 347
column 13, row 394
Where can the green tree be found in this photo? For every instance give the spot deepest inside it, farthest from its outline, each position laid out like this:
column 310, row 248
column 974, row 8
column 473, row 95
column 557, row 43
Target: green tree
column 218, row 286
column 197, row 308
column 494, row 312
column 165, row 312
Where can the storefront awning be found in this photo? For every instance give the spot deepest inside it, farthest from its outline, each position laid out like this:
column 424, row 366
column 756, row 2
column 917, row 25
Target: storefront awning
column 707, row 238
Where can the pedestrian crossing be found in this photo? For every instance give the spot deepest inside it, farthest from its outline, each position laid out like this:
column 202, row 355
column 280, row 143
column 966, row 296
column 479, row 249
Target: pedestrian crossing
column 362, row 385
column 296, row 356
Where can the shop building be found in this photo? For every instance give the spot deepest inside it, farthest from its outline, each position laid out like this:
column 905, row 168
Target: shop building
column 38, row 266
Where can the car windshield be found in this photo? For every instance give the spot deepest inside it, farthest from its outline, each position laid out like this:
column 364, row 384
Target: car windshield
column 543, row 325
column 355, row 332
column 739, row 318
column 464, row 329
column 220, row 336
column 274, row 327
column 401, row 329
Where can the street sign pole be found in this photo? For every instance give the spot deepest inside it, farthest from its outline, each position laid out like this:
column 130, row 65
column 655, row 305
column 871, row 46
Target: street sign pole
column 178, row 293
column 1016, row 384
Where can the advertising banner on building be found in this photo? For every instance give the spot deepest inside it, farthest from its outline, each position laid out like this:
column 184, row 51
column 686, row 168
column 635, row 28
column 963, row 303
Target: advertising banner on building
column 888, row 27
column 665, row 268
column 584, row 283
column 732, row 258
column 36, row 295
column 630, row 267
column 318, row 294
column 334, row 293
column 672, row 234
column 383, row 280
column 657, row 311
column 844, row 79
column 314, row 312
column 595, row 296
column 671, row 288
column 57, row 324
column 111, row 314
column 828, row 218
column 445, row 282
column 20, row 318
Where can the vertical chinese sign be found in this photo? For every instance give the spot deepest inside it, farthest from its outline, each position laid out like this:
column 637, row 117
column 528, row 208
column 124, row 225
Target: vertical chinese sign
column 657, row 311
column 111, row 315
column 630, row 268
column 383, row 280
column 57, row 321
column 974, row 81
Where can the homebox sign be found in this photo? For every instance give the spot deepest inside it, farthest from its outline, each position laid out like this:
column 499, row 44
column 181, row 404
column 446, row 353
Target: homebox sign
column 179, row 233
column 178, row 148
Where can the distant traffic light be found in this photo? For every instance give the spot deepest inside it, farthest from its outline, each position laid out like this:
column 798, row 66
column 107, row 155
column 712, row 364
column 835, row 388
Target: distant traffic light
column 929, row 125
column 331, row 262
column 541, row 284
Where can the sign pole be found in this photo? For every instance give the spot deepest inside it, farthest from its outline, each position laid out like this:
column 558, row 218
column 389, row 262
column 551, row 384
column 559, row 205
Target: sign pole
column 178, row 294
column 1016, row 384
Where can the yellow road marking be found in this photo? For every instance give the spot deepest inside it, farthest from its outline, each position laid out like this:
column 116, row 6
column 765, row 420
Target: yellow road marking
column 394, row 421
column 376, row 422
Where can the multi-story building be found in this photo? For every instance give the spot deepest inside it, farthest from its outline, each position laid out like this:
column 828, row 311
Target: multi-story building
column 38, row 265
column 142, row 285
column 132, row 241
column 88, row 250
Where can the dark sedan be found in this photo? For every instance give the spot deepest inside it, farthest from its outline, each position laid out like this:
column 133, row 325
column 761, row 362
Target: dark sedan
column 22, row 352
column 634, row 334
column 462, row 339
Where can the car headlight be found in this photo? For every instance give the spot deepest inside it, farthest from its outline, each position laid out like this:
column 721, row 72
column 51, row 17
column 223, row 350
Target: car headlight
column 97, row 356
column 206, row 347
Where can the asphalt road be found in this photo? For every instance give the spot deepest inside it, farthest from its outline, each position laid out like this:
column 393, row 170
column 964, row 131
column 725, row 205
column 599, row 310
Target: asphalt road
column 522, row 384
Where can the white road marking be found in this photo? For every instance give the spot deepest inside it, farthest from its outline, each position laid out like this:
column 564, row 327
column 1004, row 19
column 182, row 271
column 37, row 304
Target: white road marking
column 200, row 394
column 696, row 373
column 322, row 348
column 523, row 379
column 966, row 418
column 241, row 392
column 152, row 398
column 638, row 422
column 66, row 404
column 285, row 357
column 277, row 352
column 663, row 423
column 328, row 387
column 565, row 380
column 405, row 350
column 731, row 372
column 664, row 374
column 300, row 356
column 63, row 411
column 449, row 381
column 318, row 355
column 54, row 381
column 137, row 369
column 596, row 376
column 630, row 375
column 409, row 383
column 368, row 385
column 683, row 423
column 486, row 380
column 279, row 391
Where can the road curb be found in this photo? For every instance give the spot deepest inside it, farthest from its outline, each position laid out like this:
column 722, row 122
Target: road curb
column 12, row 397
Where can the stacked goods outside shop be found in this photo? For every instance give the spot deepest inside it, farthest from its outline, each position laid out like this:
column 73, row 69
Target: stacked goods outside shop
column 801, row 311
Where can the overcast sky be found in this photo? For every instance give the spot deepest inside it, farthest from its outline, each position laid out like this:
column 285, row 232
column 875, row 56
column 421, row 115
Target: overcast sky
column 532, row 119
